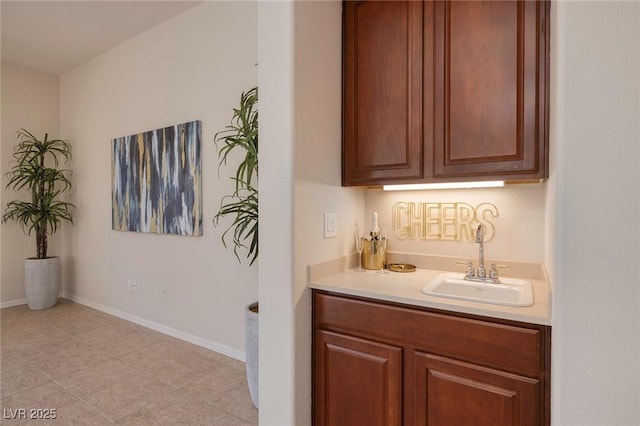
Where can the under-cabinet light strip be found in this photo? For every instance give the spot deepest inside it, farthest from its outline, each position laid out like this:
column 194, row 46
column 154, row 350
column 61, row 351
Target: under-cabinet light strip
column 445, row 185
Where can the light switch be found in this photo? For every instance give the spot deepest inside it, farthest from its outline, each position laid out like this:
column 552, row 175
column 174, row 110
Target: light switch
column 330, row 225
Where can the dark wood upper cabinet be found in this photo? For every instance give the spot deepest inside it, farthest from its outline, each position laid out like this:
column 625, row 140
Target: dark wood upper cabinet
column 382, row 90
column 490, row 93
column 445, row 91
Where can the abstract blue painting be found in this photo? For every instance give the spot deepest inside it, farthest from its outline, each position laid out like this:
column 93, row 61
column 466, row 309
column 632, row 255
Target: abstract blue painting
column 157, row 181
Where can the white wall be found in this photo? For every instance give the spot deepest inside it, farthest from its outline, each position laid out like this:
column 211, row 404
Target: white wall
column 519, row 227
column 29, row 100
column 277, row 343
column 317, row 190
column 300, row 87
column 596, row 198
column 193, row 67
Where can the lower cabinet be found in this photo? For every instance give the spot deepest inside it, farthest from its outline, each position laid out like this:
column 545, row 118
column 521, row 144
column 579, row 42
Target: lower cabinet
column 387, row 364
column 361, row 381
column 449, row 392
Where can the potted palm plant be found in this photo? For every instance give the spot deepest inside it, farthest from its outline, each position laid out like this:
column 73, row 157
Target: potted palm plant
column 242, row 206
column 36, row 171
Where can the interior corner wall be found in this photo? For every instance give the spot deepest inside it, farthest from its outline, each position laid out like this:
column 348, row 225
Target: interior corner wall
column 276, row 286
column 300, row 86
column 317, row 188
column 596, row 324
column 192, row 67
column 30, row 100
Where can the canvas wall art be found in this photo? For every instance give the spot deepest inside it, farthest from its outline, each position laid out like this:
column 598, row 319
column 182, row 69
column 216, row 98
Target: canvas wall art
column 157, row 181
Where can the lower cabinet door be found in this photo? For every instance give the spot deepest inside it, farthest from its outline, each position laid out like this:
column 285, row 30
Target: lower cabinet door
column 449, row 392
column 357, row 381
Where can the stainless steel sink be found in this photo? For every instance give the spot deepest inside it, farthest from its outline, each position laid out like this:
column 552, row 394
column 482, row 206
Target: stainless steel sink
column 511, row 292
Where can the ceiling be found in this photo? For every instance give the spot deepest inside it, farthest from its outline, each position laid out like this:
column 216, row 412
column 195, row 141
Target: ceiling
column 56, row 36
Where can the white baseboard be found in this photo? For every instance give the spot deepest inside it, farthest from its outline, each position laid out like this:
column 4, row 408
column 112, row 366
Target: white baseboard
column 12, row 303
column 216, row 347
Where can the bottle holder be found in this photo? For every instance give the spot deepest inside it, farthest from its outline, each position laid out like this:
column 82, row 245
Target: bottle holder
column 372, row 258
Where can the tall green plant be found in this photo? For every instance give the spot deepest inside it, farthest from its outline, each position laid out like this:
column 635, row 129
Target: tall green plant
column 242, row 204
column 35, row 169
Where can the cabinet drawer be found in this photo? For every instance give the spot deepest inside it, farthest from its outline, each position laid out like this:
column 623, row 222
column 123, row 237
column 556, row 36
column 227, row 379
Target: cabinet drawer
column 496, row 344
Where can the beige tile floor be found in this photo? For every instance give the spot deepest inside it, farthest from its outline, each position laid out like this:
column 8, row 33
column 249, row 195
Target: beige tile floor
column 95, row 369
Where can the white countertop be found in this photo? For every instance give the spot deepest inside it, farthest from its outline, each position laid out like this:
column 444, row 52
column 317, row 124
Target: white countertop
column 405, row 287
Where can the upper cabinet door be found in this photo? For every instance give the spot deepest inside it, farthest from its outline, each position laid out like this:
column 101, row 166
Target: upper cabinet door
column 382, row 91
column 490, row 90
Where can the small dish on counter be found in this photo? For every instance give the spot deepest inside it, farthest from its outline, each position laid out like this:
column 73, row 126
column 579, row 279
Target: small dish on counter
column 401, row 267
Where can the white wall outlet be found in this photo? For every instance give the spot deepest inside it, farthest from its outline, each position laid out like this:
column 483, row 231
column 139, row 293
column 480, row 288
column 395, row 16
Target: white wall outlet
column 163, row 292
column 330, row 225
column 134, row 286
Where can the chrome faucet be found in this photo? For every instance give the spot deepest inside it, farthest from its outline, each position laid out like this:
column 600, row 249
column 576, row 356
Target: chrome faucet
column 481, row 274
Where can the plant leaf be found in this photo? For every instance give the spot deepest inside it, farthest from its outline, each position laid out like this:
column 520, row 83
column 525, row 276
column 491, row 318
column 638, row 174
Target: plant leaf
column 241, row 135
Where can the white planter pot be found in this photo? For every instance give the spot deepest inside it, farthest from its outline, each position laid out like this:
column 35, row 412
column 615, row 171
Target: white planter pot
column 251, row 349
column 42, row 282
